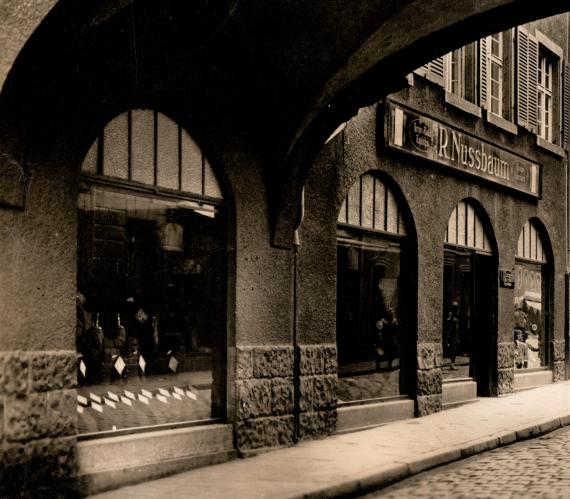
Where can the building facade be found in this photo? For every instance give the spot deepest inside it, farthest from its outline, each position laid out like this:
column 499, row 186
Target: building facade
column 428, row 268
column 450, row 228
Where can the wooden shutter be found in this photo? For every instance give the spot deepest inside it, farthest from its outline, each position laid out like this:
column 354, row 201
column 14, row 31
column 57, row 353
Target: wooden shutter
column 522, row 77
column 483, row 91
column 566, row 107
column 422, row 70
column 527, row 80
column 532, row 84
column 436, row 72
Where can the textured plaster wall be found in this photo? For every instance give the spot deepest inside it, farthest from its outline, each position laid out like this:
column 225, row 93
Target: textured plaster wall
column 18, row 20
column 37, row 264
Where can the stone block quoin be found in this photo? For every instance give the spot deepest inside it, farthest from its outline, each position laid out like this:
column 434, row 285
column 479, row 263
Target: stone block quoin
column 38, row 419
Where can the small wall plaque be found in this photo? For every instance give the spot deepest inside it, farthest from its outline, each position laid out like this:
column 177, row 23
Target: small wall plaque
column 506, row 278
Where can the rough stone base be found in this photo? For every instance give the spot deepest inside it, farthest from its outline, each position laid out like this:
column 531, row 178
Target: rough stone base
column 505, row 381
column 505, row 355
column 558, row 371
column 38, row 423
column 428, row 404
column 265, row 397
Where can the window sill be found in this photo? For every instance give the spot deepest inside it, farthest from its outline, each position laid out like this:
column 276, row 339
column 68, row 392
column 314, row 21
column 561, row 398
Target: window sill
column 550, row 147
column 502, row 123
column 462, row 104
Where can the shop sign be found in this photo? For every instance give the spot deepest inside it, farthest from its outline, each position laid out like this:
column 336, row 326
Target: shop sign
column 421, row 136
column 506, row 278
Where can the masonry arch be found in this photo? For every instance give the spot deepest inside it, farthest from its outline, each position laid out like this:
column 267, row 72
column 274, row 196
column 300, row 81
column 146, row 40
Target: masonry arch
column 469, row 297
column 533, row 297
column 151, row 278
column 376, row 291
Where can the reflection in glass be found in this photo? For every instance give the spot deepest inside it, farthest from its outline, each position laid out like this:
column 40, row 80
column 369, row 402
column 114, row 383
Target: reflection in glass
column 368, row 312
column 150, row 310
column 530, row 345
column 458, row 291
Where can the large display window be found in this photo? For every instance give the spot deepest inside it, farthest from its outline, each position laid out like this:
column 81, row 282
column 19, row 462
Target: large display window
column 151, row 286
column 372, row 322
column 530, row 300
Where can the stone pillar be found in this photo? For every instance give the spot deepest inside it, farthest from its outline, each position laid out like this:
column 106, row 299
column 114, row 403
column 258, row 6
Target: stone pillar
column 429, row 378
column 264, row 397
column 505, row 367
column 38, row 423
column 318, row 390
column 557, row 355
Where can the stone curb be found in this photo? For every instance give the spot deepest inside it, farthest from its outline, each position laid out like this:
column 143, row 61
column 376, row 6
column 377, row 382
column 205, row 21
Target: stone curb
column 359, row 485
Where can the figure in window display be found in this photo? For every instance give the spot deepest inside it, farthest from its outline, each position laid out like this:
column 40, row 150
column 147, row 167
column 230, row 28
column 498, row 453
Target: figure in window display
column 452, row 334
column 145, row 335
column 386, row 344
column 89, row 341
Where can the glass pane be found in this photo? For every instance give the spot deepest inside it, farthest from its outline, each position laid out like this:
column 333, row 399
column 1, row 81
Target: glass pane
column 191, row 165
column 368, row 321
column 167, row 165
column 90, row 162
column 529, row 333
column 457, row 303
column 150, row 311
column 116, row 147
column 142, row 146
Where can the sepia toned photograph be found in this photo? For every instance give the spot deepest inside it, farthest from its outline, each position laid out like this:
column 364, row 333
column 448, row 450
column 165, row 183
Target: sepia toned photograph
column 284, row 249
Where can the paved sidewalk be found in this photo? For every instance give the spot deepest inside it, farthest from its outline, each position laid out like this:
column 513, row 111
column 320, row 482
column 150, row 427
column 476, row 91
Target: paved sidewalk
column 356, row 463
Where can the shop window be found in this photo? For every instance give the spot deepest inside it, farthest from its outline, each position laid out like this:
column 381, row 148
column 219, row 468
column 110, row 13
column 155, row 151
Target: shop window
column 151, row 279
column 531, row 300
column 373, row 292
column 468, row 296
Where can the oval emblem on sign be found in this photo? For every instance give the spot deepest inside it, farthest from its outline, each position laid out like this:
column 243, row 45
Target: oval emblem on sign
column 420, row 134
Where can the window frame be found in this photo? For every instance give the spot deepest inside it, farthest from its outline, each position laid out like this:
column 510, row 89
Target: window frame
column 498, row 61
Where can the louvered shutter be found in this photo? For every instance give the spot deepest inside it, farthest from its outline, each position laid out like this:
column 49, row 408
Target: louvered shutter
column 522, row 77
column 435, row 71
column 566, row 107
column 527, row 80
column 532, row 84
column 483, row 91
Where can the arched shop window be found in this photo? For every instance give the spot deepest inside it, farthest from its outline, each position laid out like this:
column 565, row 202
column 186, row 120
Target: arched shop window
column 531, row 299
column 151, row 279
column 469, row 291
column 371, row 294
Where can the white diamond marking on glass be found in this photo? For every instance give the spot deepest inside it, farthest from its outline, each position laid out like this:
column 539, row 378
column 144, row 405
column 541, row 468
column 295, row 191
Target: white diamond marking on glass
column 131, row 395
column 82, row 400
column 178, row 390
column 82, row 367
column 177, row 396
column 143, row 399
column 142, row 363
column 126, row 401
column 146, row 393
column 110, row 403
column 95, row 398
column 164, row 392
column 191, row 395
column 112, row 396
column 173, row 364
column 97, row 407
column 119, row 365
column 162, row 398
column 80, row 409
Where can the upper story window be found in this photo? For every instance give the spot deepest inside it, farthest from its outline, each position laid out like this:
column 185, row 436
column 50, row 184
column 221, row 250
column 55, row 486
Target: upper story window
column 496, row 74
column 545, row 96
column 460, row 72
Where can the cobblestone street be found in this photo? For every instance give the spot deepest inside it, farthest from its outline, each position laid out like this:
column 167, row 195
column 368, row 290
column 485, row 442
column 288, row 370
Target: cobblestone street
column 534, row 468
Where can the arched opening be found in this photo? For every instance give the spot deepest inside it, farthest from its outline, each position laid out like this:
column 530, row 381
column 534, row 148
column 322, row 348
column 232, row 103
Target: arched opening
column 469, row 298
column 532, row 299
column 376, row 297
column 151, row 279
